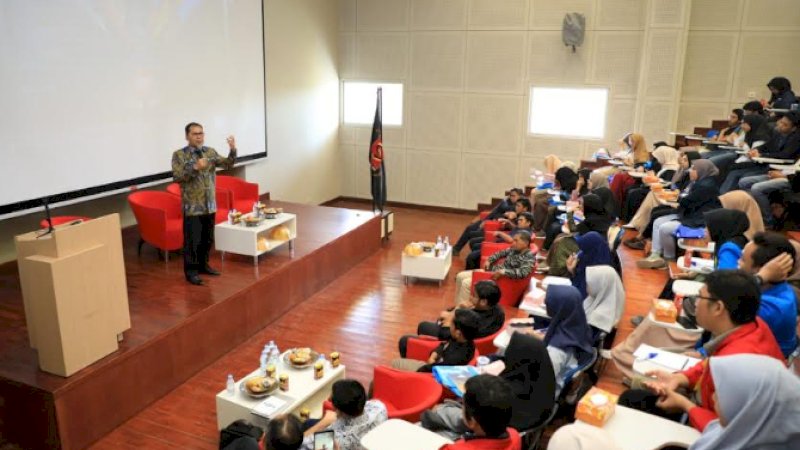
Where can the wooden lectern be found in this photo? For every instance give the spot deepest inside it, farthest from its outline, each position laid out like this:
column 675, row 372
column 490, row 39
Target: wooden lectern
column 74, row 291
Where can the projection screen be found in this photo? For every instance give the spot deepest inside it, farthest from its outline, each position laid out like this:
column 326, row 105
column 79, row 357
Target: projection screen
column 95, row 94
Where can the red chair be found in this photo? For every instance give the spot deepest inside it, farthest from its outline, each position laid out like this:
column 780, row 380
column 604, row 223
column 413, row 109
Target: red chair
column 60, row 220
column 223, row 201
column 160, row 220
column 511, row 289
column 484, row 214
column 492, row 225
column 243, row 194
column 489, row 248
column 405, row 394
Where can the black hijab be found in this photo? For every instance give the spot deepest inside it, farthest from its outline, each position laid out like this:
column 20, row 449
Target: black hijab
column 530, row 373
column 567, row 179
column 585, row 174
column 759, row 130
column 781, row 85
column 727, row 225
column 609, row 202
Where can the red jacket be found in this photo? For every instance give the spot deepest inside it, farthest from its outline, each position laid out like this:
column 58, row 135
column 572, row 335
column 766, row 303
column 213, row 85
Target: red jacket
column 753, row 337
column 512, row 442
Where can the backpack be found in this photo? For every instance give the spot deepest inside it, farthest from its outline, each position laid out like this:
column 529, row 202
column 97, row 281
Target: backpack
column 573, row 30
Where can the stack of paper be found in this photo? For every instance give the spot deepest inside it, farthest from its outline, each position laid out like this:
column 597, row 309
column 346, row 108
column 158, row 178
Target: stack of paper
column 672, row 362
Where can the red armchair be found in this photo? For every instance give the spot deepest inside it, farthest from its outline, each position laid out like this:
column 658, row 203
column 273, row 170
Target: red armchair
column 511, row 289
column 405, row 394
column 160, row 219
column 483, row 346
column 223, row 201
column 243, row 194
column 492, row 225
column 489, row 248
column 60, row 220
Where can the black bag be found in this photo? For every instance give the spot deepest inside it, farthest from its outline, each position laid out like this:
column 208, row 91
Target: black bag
column 236, row 430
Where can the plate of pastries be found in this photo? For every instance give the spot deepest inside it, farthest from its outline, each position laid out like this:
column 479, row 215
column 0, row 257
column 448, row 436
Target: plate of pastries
column 300, row 358
column 258, row 386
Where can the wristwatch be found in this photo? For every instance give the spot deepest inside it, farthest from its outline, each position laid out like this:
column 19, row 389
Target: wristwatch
column 759, row 280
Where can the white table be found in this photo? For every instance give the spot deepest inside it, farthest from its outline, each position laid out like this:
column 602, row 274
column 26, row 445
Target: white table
column 708, row 249
column 427, row 265
column 304, row 392
column 396, row 434
column 686, row 288
column 699, row 265
column 636, row 430
column 243, row 240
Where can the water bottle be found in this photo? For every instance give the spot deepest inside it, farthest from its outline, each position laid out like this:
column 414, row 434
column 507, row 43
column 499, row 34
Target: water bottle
column 230, row 216
column 274, row 357
column 277, row 350
column 483, row 361
column 264, row 360
column 230, row 386
column 439, row 241
column 446, row 242
column 255, row 209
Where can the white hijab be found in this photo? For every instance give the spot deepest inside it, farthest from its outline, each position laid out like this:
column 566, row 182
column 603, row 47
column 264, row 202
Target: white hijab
column 760, row 398
column 605, row 299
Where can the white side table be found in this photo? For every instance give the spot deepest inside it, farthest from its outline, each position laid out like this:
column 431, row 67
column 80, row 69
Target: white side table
column 427, row 265
column 304, row 392
column 243, row 240
column 636, row 430
column 396, row 434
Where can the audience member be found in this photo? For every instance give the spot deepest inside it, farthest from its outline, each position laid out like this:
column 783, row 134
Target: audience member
column 757, row 403
column 458, row 350
column 524, row 222
column 507, row 205
column 784, row 144
column 762, row 188
column 484, row 303
column 726, row 307
column 743, row 201
column 352, row 418
column 514, row 262
column 284, row 432
column 782, row 95
column 753, row 107
column 593, row 250
column 528, row 371
column 700, row 196
column 757, row 134
column 782, row 217
column 668, row 164
column 605, row 299
column 778, row 307
column 726, row 228
column 487, row 413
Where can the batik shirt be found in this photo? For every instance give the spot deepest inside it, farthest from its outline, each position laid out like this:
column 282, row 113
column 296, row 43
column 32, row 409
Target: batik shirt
column 517, row 264
column 348, row 431
column 198, row 193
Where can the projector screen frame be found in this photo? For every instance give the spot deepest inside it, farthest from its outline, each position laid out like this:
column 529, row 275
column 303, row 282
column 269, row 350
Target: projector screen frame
column 34, row 205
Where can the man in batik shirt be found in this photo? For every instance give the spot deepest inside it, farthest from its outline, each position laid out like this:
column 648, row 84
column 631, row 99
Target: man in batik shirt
column 194, row 168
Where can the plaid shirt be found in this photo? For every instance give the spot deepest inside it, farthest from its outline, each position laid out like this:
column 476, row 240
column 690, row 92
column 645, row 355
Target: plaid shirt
column 517, row 264
column 198, row 193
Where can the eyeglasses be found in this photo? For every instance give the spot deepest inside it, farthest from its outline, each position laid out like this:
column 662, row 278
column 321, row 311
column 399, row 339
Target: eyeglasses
column 698, row 297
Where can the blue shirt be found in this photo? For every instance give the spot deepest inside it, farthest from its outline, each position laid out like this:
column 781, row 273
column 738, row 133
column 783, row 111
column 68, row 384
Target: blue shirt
column 779, row 310
column 728, row 256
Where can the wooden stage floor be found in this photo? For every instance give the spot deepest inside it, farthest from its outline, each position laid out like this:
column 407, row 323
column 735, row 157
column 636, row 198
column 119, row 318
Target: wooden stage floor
column 176, row 329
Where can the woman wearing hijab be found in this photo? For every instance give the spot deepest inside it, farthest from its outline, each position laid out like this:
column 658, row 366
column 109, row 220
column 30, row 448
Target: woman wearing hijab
column 641, row 220
column 726, row 228
column 568, row 337
column 744, row 202
column 529, row 372
column 605, row 298
column 633, row 152
column 596, row 218
column 592, row 251
column 566, row 183
column 782, row 95
column 700, row 196
column 758, row 404
column 667, row 162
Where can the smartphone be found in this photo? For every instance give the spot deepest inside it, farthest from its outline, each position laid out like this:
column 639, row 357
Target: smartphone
column 323, row 440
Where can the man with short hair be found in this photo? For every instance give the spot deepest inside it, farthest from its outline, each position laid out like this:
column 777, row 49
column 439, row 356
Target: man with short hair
column 484, row 303
column 753, row 107
column 353, row 416
column 487, row 413
column 458, row 350
column 284, row 432
column 194, row 169
column 727, row 307
column 475, row 228
column 778, row 307
column 785, row 144
column 517, row 262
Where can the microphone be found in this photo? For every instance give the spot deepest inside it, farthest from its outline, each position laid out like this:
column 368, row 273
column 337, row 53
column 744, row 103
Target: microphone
column 198, row 153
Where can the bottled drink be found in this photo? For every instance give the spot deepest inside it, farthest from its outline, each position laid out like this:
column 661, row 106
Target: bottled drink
column 230, row 386
column 483, row 361
column 446, row 242
column 263, row 361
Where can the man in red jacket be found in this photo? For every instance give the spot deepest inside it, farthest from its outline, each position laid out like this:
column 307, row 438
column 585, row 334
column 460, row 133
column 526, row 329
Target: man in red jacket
column 487, row 412
column 727, row 307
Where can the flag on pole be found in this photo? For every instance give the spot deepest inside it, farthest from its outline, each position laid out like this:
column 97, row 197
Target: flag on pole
column 376, row 167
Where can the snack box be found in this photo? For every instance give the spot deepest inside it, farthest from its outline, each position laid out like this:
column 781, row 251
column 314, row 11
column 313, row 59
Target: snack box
column 596, row 407
column 665, row 311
